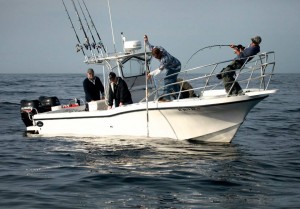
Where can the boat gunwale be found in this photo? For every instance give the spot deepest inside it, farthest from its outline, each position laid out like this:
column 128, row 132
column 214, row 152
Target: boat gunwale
column 245, row 98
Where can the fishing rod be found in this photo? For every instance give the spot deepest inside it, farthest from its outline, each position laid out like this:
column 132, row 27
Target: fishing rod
column 93, row 44
column 207, row 47
column 87, row 43
column 93, row 25
column 78, row 46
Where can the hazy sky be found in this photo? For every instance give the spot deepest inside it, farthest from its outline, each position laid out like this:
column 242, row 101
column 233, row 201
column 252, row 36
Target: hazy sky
column 36, row 35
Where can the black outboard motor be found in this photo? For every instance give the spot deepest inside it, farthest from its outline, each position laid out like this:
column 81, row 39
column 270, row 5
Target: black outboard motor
column 31, row 107
column 48, row 102
column 28, row 109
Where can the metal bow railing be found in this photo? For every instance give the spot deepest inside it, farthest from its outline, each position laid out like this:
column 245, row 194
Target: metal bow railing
column 256, row 74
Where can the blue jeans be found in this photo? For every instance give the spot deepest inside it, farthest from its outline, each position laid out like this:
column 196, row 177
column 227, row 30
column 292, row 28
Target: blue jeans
column 171, row 88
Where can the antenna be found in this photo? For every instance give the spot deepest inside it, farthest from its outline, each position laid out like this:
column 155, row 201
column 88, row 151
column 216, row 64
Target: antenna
column 123, row 40
column 111, row 26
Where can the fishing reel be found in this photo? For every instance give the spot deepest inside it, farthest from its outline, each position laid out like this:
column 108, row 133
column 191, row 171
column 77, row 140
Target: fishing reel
column 78, row 48
column 93, row 45
column 87, row 46
column 239, row 47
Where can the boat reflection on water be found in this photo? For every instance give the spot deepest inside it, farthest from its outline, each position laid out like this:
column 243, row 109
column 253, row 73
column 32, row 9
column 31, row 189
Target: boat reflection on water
column 147, row 152
column 161, row 172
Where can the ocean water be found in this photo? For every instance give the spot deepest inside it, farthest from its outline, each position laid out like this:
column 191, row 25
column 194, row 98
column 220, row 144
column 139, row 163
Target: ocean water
column 259, row 169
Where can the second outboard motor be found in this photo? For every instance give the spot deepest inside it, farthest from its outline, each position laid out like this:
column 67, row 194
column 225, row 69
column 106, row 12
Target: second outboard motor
column 48, row 102
column 28, row 109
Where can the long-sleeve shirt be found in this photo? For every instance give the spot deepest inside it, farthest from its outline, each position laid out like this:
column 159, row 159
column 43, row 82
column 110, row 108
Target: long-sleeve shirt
column 168, row 62
column 248, row 52
column 119, row 92
column 92, row 89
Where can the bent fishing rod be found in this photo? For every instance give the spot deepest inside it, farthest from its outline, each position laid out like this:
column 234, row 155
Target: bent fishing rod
column 207, row 47
column 78, row 46
column 93, row 44
column 87, row 42
column 93, row 26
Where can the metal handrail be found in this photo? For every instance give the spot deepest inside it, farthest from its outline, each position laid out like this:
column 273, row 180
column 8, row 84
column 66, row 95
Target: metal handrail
column 256, row 68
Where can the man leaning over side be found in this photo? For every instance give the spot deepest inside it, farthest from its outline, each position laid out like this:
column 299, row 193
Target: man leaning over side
column 118, row 91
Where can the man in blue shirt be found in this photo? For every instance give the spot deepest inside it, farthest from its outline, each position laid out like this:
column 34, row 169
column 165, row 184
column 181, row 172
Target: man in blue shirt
column 172, row 66
column 243, row 55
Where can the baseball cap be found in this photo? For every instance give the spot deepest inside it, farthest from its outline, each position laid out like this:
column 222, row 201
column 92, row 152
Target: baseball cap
column 256, row 39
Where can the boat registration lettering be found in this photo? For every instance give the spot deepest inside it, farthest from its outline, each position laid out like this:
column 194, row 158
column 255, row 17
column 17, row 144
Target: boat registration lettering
column 189, row 108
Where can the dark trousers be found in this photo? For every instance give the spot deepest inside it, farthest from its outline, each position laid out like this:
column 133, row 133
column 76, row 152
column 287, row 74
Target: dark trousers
column 228, row 74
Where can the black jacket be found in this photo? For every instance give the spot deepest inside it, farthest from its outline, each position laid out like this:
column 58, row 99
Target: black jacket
column 92, row 91
column 119, row 93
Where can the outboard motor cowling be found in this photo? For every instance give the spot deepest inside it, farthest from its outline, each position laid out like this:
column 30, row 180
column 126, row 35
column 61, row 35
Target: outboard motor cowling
column 48, row 102
column 28, row 109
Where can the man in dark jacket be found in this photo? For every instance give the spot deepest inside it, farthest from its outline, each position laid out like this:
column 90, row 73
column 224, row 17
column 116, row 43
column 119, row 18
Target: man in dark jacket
column 92, row 86
column 118, row 91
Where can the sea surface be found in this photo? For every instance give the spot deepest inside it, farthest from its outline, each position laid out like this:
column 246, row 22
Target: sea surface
column 259, row 169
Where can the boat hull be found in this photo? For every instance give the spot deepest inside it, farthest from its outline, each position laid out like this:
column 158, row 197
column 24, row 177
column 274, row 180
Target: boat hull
column 209, row 120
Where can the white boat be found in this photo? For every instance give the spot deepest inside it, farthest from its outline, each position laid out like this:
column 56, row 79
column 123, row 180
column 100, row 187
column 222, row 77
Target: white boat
column 211, row 116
